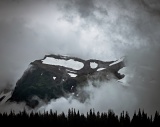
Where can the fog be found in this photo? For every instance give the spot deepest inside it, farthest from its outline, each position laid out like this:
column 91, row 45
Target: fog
column 109, row 95
column 97, row 29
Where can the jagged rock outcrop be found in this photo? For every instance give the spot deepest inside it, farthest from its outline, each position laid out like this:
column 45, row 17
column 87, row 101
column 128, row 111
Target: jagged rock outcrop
column 59, row 76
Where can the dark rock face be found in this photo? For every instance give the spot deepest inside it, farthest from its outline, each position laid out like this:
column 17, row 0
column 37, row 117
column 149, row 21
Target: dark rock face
column 45, row 81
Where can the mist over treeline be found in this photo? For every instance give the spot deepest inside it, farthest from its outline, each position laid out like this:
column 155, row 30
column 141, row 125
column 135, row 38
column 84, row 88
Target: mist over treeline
column 75, row 118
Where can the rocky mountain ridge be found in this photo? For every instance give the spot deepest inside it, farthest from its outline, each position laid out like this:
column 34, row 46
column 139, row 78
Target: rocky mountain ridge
column 57, row 76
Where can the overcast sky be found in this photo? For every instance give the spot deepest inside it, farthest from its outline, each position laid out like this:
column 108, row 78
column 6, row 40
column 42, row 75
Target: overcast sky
column 98, row 29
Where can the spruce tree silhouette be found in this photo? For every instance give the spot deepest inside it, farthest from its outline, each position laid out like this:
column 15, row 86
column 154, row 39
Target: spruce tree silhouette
column 75, row 118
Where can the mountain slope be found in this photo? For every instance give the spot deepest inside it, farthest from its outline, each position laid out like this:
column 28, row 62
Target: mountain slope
column 59, row 76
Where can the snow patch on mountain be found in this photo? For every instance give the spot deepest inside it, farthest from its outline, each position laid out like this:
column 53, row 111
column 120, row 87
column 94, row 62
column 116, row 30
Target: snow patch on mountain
column 72, row 87
column 72, row 71
column 100, row 69
column 76, row 65
column 6, row 96
column 117, row 61
column 72, row 75
column 123, row 80
column 93, row 65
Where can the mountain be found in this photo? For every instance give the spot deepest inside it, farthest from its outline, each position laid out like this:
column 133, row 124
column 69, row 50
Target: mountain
column 57, row 76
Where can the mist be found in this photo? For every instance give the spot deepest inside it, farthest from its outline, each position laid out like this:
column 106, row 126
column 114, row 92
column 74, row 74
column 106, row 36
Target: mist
column 94, row 29
column 107, row 95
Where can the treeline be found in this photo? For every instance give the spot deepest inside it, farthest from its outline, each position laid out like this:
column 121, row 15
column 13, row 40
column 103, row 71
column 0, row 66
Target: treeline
column 75, row 118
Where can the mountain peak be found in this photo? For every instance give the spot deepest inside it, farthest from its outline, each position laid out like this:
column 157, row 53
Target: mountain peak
column 57, row 76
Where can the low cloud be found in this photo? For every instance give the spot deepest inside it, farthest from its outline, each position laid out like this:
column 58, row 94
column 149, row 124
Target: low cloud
column 105, row 96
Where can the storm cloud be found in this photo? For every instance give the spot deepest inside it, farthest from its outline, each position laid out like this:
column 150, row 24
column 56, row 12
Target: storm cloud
column 98, row 29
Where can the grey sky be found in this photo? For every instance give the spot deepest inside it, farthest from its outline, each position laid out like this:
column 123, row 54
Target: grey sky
column 99, row 29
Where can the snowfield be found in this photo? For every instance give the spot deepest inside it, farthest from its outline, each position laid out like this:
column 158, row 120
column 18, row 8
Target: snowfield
column 76, row 65
column 93, row 65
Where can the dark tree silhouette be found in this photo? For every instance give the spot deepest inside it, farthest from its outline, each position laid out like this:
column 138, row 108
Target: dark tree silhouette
column 75, row 118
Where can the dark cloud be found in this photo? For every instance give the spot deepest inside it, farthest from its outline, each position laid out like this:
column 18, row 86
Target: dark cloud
column 152, row 6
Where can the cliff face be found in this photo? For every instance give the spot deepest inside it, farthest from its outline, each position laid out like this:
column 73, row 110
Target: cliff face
column 58, row 76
